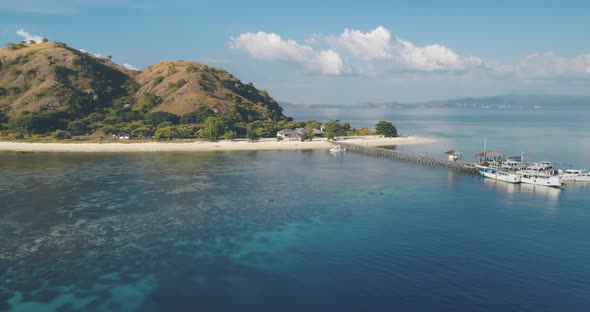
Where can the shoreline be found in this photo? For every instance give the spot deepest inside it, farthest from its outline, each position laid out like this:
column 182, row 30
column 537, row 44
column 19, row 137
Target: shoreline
column 206, row 146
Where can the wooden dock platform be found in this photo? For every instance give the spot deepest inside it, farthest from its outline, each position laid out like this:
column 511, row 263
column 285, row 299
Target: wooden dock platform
column 461, row 165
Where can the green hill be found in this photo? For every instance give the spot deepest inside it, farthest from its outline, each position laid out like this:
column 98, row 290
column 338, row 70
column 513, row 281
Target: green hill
column 50, row 86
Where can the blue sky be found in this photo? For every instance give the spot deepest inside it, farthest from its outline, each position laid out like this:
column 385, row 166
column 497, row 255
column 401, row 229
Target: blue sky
column 333, row 51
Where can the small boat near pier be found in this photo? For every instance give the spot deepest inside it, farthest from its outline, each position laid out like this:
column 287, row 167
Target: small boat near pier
column 337, row 149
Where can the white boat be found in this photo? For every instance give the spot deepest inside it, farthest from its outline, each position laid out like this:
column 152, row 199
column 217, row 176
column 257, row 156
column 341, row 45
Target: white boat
column 337, row 149
column 540, row 166
column 500, row 175
column 570, row 175
column 540, row 177
column 583, row 177
column 512, row 164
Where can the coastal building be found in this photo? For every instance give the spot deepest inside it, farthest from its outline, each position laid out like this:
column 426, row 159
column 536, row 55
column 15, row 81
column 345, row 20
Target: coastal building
column 122, row 136
column 296, row 134
column 454, row 155
column 290, row 133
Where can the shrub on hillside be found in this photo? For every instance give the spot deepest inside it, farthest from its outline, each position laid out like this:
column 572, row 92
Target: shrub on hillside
column 61, row 135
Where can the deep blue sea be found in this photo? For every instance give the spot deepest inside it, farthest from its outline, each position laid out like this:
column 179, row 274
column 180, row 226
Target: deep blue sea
column 302, row 230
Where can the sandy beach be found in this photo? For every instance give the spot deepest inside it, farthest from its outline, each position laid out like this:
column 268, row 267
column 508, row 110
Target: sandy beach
column 204, row 146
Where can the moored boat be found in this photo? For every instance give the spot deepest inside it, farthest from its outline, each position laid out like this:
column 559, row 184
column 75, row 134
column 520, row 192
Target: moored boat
column 500, row 175
column 337, row 149
column 540, row 177
column 570, row 175
column 583, row 177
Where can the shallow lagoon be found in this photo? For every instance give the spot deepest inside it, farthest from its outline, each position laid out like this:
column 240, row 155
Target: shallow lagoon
column 297, row 230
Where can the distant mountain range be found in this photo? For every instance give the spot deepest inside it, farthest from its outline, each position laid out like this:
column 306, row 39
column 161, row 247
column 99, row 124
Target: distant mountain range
column 497, row 101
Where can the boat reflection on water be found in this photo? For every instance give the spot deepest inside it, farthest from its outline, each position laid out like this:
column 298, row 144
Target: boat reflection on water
column 550, row 193
column 577, row 186
column 501, row 186
column 540, row 191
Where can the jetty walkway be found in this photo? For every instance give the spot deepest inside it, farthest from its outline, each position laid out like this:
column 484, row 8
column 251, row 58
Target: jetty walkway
column 409, row 157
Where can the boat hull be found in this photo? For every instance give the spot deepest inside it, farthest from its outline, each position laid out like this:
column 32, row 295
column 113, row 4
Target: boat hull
column 553, row 181
column 499, row 175
column 510, row 178
column 568, row 178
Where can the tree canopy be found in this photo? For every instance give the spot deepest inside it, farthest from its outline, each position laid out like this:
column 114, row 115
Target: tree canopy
column 214, row 128
column 335, row 129
column 386, row 129
column 156, row 118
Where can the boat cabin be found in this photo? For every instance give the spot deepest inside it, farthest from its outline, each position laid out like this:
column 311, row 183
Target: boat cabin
column 487, row 157
column 540, row 166
column 512, row 164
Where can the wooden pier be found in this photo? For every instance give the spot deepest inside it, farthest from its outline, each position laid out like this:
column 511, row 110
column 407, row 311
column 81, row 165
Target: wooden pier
column 409, row 157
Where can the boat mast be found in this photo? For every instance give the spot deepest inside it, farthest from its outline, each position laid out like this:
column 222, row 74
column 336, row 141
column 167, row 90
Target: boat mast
column 485, row 149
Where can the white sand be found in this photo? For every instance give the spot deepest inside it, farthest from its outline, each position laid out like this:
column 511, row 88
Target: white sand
column 204, row 146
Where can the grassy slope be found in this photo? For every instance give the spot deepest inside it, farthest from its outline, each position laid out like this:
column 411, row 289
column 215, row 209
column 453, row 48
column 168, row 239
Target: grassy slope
column 52, row 76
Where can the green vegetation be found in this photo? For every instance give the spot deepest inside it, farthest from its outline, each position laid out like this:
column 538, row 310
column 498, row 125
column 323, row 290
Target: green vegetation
column 230, row 135
column 214, row 128
column 16, row 46
column 3, row 121
column 252, row 135
column 386, row 129
column 174, row 86
column 335, row 129
column 158, row 80
column 148, row 102
column 308, row 135
column 197, row 117
column 61, row 135
column 190, row 68
column 156, row 118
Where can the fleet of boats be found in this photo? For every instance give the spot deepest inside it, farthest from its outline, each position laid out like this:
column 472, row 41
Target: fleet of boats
column 512, row 170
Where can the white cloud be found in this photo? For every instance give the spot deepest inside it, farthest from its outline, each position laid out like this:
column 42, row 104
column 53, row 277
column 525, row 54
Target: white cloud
column 380, row 52
column 549, row 65
column 314, row 39
column 377, row 45
column 432, row 57
column 28, row 36
column 129, row 67
column 271, row 47
column 374, row 45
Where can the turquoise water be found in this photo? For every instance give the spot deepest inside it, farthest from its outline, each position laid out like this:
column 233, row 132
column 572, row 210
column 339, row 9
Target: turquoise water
column 298, row 230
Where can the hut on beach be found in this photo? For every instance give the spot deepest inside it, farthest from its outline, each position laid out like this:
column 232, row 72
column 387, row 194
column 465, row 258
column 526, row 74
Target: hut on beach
column 489, row 156
column 454, row 155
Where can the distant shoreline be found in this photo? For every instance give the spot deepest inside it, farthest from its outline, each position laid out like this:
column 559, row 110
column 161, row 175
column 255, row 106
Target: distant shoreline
column 205, row 146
